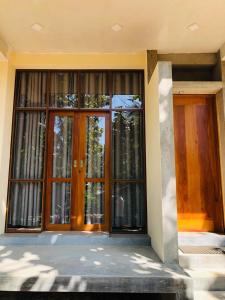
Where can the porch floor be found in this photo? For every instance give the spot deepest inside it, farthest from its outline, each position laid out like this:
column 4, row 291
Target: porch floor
column 86, row 263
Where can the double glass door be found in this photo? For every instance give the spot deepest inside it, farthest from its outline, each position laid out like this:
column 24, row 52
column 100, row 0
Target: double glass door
column 78, row 171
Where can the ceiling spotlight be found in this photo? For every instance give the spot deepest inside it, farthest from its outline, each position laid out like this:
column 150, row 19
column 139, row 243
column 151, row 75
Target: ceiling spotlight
column 117, row 27
column 193, row 27
column 37, row 27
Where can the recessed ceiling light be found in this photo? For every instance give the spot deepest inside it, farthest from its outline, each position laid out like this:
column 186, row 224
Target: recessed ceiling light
column 117, row 27
column 37, row 27
column 193, row 27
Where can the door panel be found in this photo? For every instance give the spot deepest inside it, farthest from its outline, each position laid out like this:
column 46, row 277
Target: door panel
column 93, row 205
column 199, row 201
column 60, row 175
column 78, row 171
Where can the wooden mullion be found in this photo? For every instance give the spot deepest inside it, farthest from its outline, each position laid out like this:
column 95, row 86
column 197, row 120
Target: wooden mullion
column 94, row 180
column 31, row 109
column 59, row 179
column 44, row 188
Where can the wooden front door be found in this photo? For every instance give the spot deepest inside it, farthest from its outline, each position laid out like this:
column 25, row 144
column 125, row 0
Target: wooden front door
column 199, row 199
column 78, row 171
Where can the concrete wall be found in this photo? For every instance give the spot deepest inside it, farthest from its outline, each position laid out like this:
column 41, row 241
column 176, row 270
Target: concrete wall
column 161, row 181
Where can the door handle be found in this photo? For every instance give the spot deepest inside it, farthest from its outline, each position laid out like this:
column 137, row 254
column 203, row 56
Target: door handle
column 75, row 163
column 81, row 163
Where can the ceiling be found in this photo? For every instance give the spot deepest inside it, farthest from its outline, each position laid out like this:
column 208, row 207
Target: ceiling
column 78, row 26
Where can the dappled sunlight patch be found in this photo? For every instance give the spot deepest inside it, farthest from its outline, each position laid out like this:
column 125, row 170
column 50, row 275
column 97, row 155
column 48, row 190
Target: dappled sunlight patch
column 83, row 258
column 142, row 272
column 7, row 253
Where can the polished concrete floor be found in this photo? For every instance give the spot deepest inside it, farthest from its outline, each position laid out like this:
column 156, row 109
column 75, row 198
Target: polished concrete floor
column 86, row 263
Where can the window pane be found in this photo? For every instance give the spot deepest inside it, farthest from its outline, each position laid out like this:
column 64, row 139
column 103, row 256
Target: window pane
column 63, row 89
column 25, row 205
column 95, row 147
column 127, row 145
column 28, row 145
column 31, row 89
column 128, row 206
column 60, row 203
column 127, row 90
column 94, row 203
column 62, row 147
column 94, row 90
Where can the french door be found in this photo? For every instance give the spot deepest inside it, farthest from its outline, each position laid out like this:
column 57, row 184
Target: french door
column 77, row 196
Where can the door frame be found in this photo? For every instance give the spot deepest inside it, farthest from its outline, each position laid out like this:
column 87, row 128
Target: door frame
column 215, row 120
column 78, row 173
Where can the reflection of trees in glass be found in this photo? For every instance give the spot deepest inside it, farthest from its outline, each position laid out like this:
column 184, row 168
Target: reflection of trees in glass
column 29, row 147
column 95, row 146
column 62, row 158
column 127, row 145
column 94, row 203
column 62, row 153
column 96, row 101
column 60, row 208
column 95, row 158
column 64, row 100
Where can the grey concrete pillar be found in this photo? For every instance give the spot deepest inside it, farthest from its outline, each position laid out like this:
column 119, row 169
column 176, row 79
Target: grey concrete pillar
column 161, row 178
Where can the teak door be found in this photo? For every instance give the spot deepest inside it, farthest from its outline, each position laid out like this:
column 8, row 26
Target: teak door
column 199, row 199
column 78, row 171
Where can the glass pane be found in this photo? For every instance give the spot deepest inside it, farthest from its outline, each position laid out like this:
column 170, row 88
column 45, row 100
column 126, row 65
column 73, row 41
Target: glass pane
column 128, row 206
column 127, row 90
column 94, row 90
column 95, row 147
column 30, row 89
column 94, row 203
column 63, row 90
column 62, row 147
column 28, row 146
column 127, row 145
column 60, row 203
column 25, row 205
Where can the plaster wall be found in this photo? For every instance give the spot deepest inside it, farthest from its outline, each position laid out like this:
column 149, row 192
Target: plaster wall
column 7, row 75
column 161, row 180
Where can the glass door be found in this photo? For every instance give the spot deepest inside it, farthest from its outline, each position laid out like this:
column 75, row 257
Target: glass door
column 94, row 170
column 78, row 171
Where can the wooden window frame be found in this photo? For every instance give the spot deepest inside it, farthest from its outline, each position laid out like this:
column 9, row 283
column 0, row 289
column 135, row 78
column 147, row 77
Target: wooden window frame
column 47, row 109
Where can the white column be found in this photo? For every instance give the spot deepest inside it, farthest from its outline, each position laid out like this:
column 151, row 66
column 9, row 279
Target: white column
column 161, row 178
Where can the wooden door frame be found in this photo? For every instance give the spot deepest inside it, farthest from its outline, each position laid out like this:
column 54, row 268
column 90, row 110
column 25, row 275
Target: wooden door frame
column 77, row 180
column 210, row 98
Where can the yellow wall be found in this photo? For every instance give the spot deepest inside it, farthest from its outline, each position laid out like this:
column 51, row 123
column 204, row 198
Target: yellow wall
column 79, row 61
column 7, row 76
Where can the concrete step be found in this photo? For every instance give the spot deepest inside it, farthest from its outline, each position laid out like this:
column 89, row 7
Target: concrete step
column 207, row 279
column 192, row 261
column 206, row 295
column 74, row 238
